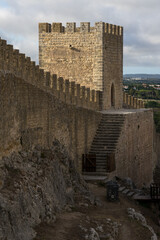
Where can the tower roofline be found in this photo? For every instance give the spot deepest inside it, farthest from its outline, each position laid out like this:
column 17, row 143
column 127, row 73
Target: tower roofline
column 85, row 27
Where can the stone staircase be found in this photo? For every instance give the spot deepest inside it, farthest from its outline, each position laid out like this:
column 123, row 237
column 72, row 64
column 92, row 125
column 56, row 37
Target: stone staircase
column 106, row 139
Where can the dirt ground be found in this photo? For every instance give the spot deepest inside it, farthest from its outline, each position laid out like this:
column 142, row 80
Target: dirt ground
column 110, row 220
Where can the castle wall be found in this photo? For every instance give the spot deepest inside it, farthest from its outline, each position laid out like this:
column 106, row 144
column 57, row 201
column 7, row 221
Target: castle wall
column 134, row 154
column 31, row 116
column 37, row 107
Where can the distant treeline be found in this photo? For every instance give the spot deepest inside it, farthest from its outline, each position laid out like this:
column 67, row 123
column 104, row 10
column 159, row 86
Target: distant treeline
column 143, row 76
column 147, row 81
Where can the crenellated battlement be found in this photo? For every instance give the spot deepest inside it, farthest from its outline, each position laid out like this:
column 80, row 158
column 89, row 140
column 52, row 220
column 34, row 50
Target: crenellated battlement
column 132, row 102
column 84, row 28
column 12, row 61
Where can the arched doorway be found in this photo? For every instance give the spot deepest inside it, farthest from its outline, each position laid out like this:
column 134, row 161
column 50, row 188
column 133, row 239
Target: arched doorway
column 112, row 96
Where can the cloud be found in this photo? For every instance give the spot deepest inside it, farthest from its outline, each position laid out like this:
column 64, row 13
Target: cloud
column 19, row 24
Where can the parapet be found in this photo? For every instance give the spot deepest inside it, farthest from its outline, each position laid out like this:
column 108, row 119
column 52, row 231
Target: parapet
column 132, row 102
column 84, row 28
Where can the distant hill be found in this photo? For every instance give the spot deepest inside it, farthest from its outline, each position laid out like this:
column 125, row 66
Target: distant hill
column 142, row 76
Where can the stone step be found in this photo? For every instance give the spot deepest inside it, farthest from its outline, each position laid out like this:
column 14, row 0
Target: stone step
column 101, row 163
column 100, row 154
column 101, row 150
column 109, row 129
column 95, row 178
column 104, row 165
column 107, row 143
column 113, row 119
column 101, row 159
column 110, row 126
column 107, row 136
column 111, row 122
column 104, row 145
column 107, row 122
column 119, row 120
column 95, row 173
column 113, row 115
column 101, row 170
column 101, row 167
column 98, row 149
column 105, row 139
column 109, row 151
column 104, row 142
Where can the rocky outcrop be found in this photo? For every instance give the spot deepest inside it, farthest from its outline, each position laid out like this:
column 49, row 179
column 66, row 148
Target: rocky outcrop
column 34, row 186
column 142, row 220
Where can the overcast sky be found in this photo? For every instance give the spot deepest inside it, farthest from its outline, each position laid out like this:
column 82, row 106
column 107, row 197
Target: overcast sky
column 140, row 19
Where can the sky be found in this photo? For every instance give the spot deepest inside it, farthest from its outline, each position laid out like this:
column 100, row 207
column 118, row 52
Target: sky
column 140, row 18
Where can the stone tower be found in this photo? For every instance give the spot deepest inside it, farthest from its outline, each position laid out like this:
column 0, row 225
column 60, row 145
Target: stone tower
column 90, row 56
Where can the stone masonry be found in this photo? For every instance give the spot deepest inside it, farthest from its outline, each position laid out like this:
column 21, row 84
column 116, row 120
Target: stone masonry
column 38, row 107
column 90, row 56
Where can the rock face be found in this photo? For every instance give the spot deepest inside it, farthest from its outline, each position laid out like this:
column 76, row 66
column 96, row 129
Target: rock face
column 140, row 218
column 34, row 186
